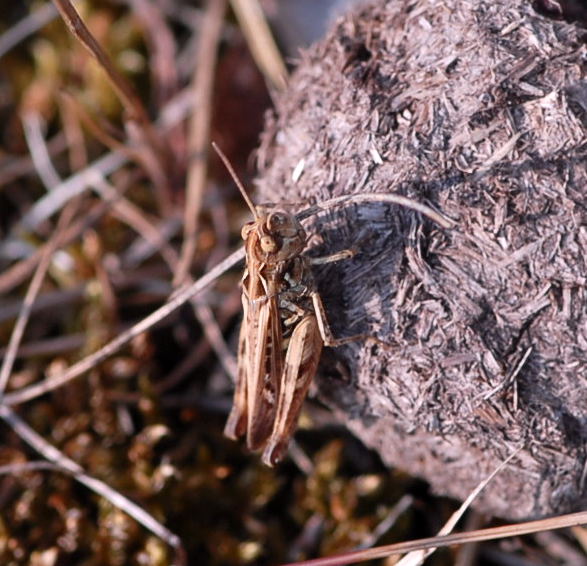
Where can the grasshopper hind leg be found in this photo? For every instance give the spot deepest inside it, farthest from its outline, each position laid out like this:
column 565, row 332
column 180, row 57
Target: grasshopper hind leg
column 326, row 332
column 301, row 362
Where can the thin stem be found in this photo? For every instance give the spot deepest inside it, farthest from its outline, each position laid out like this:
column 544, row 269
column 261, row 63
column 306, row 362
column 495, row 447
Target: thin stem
column 199, row 134
column 182, row 295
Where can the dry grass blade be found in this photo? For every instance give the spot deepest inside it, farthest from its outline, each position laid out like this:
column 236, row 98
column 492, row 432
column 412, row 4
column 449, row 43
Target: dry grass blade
column 417, row 557
column 67, row 465
column 125, row 91
column 32, row 292
column 92, row 360
column 13, row 167
column 71, row 187
column 384, row 526
column 200, row 131
column 27, row 26
column 494, row 533
column 23, row 467
column 132, row 215
column 260, row 40
column 214, row 336
column 170, row 115
column 19, row 272
column 49, row 346
column 129, row 213
column 42, row 160
column 162, row 48
column 97, row 128
column 154, row 157
column 39, row 151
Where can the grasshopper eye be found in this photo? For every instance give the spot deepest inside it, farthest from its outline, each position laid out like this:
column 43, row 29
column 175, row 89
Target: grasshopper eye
column 277, row 219
column 268, row 244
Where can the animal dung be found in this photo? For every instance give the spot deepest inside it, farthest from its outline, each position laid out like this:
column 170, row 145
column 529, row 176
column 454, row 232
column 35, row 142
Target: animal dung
column 477, row 109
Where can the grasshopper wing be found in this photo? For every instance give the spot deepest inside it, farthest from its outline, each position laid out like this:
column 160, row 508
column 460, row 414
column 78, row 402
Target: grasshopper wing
column 264, row 362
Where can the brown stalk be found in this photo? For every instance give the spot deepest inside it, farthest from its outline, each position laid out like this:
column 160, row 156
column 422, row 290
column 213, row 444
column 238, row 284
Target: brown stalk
column 38, row 152
column 157, row 154
column 32, row 292
column 17, row 273
column 199, row 134
column 72, row 128
column 163, row 67
column 493, row 533
column 77, row 369
column 130, row 100
column 260, row 41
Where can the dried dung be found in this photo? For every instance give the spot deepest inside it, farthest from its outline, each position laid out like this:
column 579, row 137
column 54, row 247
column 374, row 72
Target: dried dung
column 478, row 109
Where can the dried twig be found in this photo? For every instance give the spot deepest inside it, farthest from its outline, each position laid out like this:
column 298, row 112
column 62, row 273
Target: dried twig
column 19, row 468
column 214, row 336
column 49, row 346
column 384, row 526
column 17, row 273
column 129, row 213
column 71, row 187
column 174, row 112
column 155, row 157
column 493, row 533
column 37, row 148
column 26, row 27
column 162, row 49
column 113, row 346
column 72, row 128
column 32, row 292
column 130, row 100
column 13, row 167
column 260, row 40
column 39, row 151
column 163, row 66
column 417, row 557
column 200, row 131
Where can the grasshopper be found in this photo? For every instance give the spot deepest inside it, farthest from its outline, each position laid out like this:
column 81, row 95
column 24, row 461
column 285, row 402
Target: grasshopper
column 283, row 331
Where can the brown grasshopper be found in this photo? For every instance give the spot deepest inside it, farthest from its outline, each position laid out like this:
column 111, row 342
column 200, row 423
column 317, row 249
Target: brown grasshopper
column 283, row 331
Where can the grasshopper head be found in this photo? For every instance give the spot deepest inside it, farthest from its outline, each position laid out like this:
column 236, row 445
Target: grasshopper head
column 278, row 236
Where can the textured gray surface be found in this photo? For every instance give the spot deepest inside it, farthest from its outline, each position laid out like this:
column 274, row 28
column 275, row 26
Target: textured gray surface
column 477, row 108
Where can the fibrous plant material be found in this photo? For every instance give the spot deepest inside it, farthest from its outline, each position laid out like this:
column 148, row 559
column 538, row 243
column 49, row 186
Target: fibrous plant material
column 478, row 109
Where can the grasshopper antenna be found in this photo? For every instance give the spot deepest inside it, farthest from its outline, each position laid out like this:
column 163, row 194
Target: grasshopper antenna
column 235, row 179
